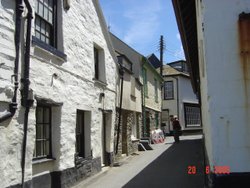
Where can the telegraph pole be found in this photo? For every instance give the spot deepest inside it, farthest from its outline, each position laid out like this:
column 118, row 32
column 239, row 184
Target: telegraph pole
column 162, row 48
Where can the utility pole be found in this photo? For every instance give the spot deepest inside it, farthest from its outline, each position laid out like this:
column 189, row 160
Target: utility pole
column 162, row 48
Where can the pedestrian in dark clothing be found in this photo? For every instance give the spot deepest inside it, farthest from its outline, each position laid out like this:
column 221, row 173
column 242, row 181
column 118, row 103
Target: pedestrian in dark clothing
column 176, row 128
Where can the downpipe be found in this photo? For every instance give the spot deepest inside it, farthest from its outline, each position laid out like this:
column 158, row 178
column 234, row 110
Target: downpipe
column 121, row 71
column 13, row 104
column 25, row 101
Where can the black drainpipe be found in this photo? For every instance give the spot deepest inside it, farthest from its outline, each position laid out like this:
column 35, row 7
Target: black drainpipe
column 13, row 104
column 25, row 81
column 121, row 71
column 177, row 94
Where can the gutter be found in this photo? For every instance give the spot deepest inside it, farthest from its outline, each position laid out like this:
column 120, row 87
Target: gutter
column 25, row 101
column 13, row 104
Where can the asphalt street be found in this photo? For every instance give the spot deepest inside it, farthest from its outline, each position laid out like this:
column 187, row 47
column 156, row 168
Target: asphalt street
column 169, row 165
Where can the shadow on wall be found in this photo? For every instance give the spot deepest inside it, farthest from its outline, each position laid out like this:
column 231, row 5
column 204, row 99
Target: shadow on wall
column 7, row 4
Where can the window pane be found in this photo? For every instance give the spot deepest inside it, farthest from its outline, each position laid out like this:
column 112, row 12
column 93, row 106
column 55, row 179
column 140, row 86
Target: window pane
column 37, row 6
column 39, row 131
column 43, row 132
column 37, row 24
column 39, row 115
column 39, row 148
column 46, row 131
column 46, row 115
column 50, row 17
column 96, row 58
column 40, row 11
column 45, row 13
column 80, row 134
column 47, row 148
column 44, row 21
column 42, row 27
column 43, row 38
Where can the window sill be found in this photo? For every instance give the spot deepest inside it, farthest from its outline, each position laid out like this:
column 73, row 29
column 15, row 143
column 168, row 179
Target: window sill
column 169, row 99
column 43, row 160
column 99, row 82
column 48, row 48
column 135, row 140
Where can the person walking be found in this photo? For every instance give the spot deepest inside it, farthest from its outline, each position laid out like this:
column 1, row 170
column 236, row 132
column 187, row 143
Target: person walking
column 176, row 129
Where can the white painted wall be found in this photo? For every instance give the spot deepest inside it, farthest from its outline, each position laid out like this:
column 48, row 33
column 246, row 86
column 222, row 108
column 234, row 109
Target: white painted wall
column 150, row 99
column 74, row 87
column 131, row 100
column 185, row 94
column 225, row 96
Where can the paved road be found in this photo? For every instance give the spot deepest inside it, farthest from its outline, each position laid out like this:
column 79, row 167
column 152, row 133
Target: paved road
column 171, row 168
column 165, row 166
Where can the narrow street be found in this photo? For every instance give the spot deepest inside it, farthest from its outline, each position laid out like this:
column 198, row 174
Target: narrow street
column 165, row 166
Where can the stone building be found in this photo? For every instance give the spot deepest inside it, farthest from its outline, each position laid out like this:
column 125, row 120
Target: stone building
column 216, row 40
column 129, row 109
column 58, row 77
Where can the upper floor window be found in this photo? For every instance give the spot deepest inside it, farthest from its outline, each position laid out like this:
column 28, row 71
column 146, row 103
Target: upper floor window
column 43, row 132
column 168, row 90
column 99, row 64
column 45, row 22
column 96, row 57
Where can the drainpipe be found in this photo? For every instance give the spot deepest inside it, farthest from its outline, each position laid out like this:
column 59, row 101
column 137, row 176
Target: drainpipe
column 143, row 111
column 13, row 104
column 177, row 87
column 121, row 71
column 25, row 81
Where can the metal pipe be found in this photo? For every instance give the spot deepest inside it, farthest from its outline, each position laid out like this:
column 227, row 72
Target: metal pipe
column 25, row 81
column 177, row 94
column 120, row 108
column 13, row 104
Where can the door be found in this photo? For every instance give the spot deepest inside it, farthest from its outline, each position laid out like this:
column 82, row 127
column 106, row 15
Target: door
column 104, row 140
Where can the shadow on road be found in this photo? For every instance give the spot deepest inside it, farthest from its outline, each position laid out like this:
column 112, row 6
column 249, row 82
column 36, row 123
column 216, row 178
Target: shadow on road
column 171, row 168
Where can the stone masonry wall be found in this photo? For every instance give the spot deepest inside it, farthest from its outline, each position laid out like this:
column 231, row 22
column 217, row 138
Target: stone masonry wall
column 81, row 28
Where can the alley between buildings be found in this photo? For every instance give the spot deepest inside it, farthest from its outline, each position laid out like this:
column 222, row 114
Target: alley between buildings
column 165, row 166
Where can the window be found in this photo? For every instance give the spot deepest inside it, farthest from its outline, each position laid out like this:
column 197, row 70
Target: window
column 96, row 57
column 45, row 21
column 99, row 64
column 125, row 62
column 80, row 141
column 145, row 81
column 192, row 115
column 43, row 132
column 156, row 90
column 168, row 90
column 83, row 147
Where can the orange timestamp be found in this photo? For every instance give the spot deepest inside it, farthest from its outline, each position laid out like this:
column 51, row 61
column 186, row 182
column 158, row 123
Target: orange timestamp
column 216, row 170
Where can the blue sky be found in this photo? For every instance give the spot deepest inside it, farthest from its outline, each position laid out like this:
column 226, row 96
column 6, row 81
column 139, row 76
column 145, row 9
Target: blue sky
column 140, row 23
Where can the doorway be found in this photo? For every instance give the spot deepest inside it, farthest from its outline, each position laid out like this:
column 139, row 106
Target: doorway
column 106, row 137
